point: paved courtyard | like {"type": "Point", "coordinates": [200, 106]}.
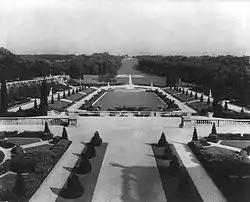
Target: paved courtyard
{"type": "Point", "coordinates": [129, 172]}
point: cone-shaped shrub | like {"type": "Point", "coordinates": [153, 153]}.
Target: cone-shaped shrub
{"type": "Point", "coordinates": [90, 151]}
{"type": "Point", "coordinates": [64, 94]}
{"type": "Point", "coordinates": [162, 142]}
{"type": "Point", "coordinates": [242, 110]}
{"type": "Point", "coordinates": [64, 134]}
{"type": "Point", "coordinates": [214, 131]}
{"type": "Point", "coordinates": [186, 92]}
{"type": "Point", "coordinates": [52, 99]}
{"type": "Point", "coordinates": [35, 104]}
{"type": "Point", "coordinates": [85, 166]}
{"type": "Point", "coordinates": [73, 91]}
{"type": "Point", "coordinates": [195, 136]}
{"type": "Point", "coordinates": [196, 96]}
{"type": "Point", "coordinates": [225, 106]}
{"type": "Point", "coordinates": [96, 139]}
{"type": "Point", "coordinates": [168, 154]}
{"type": "Point", "coordinates": [208, 101]}
{"type": "Point", "coordinates": [46, 127]}
{"type": "Point", "coordinates": [191, 94]}
{"type": "Point", "coordinates": [69, 92]}
{"type": "Point", "coordinates": [201, 98]}
{"type": "Point", "coordinates": [58, 96]}
{"type": "Point", "coordinates": [19, 188]}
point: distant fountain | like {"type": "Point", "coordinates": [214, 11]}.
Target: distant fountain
{"type": "Point", "coordinates": [130, 83]}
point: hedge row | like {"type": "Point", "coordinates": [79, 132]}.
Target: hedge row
{"type": "Point", "coordinates": [228, 136]}
{"type": "Point", "coordinates": [221, 164]}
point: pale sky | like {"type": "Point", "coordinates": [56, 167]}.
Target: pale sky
{"type": "Point", "coordinates": [131, 27]}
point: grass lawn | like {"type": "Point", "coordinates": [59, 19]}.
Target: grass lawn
{"type": "Point", "coordinates": [184, 98]}
{"type": "Point", "coordinates": [45, 147]}
{"type": "Point", "coordinates": [219, 150]}
{"type": "Point", "coordinates": [130, 99]}
{"type": "Point", "coordinates": [75, 97]}
{"type": "Point", "coordinates": [177, 188]}
{"type": "Point", "coordinates": [198, 105]}
{"type": "Point", "coordinates": [241, 144]}
{"type": "Point", "coordinates": [23, 141]}
{"type": "Point", "coordinates": [59, 105]}
{"type": "Point", "coordinates": [85, 183]}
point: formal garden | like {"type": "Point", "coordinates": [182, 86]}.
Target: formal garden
{"type": "Point", "coordinates": [26, 160]}
{"type": "Point", "coordinates": [225, 156]}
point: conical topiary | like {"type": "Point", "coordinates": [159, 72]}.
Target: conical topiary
{"type": "Point", "coordinates": [242, 110]}
{"type": "Point", "coordinates": [35, 104]}
{"type": "Point", "coordinates": [208, 101]}
{"type": "Point", "coordinates": [52, 99]}
{"type": "Point", "coordinates": [68, 92]}
{"type": "Point", "coordinates": [225, 106]}
{"type": "Point", "coordinates": [214, 131]}
{"type": "Point", "coordinates": [58, 96]}
{"type": "Point", "coordinates": [196, 96]}
{"type": "Point", "coordinates": [46, 128]}
{"type": "Point", "coordinates": [191, 94]}
{"type": "Point", "coordinates": [162, 142]}
{"type": "Point", "coordinates": [64, 94]}
{"type": "Point", "coordinates": [96, 139]}
{"type": "Point", "coordinates": [201, 98]}
{"type": "Point", "coordinates": [195, 136]}
{"type": "Point", "coordinates": [90, 151]}
{"type": "Point", "coordinates": [84, 166]}
{"type": "Point", "coordinates": [64, 134]}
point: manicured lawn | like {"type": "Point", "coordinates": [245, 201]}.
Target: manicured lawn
{"type": "Point", "coordinates": [184, 98]}
{"type": "Point", "coordinates": [198, 105]}
{"type": "Point", "coordinates": [241, 144]}
{"type": "Point", "coordinates": [171, 91]}
{"type": "Point", "coordinates": [85, 184]}
{"type": "Point", "coordinates": [75, 97]}
{"type": "Point", "coordinates": [219, 150]}
{"type": "Point", "coordinates": [45, 147]}
{"type": "Point", "coordinates": [177, 188]}
{"type": "Point", "coordinates": [23, 141]}
{"type": "Point", "coordinates": [59, 105]}
{"type": "Point", "coordinates": [130, 99]}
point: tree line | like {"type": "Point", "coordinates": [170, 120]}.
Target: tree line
{"type": "Point", "coordinates": [227, 76]}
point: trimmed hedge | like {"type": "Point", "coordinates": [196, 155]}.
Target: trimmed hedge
{"type": "Point", "coordinates": [220, 164]}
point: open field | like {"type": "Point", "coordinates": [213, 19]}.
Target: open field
{"type": "Point", "coordinates": [130, 99]}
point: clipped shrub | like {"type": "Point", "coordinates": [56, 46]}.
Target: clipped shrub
{"type": "Point", "coordinates": [195, 136]}
{"type": "Point", "coordinates": [96, 140]}
{"type": "Point", "coordinates": [20, 164]}
{"type": "Point", "coordinates": [46, 128]}
{"type": "Point", "coordinates": [204, 142]}
{"type": "Point", "coordinates": [85, 166]}
{"type": "Point", "coordinates": [208, 101]}
{"type": "Point", "coordinates": [52, 99]}
{"type": "Point", "coordinates": [58, 96]}
{"type": "Point", "coordinates": [90, 151]}
{"type": "Point", "coordinates": [214, 131]}
{"type": "Point", "coordinates": [162, 142]}
{"type": "Point", "coordinates": [64, 134]}
{"type": "Point", "coordinates": [5, 144]}
{"type": "Point", "coordinates": [225, 106]}
{"type": "Point", "coordinates": [213, 138]}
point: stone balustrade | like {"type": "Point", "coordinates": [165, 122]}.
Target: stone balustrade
{"type": "Point", "coordinates": [34, 120]}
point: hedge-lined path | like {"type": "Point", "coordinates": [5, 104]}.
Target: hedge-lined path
{"type": "Point", "coordinates": [204, 184]}
{"type": "Point", "coordinates": [58, 175]}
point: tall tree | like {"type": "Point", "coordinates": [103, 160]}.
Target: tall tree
{"type": "Point", "coordinates": [44, 91]}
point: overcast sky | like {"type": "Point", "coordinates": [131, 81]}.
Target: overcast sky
{"type": "Point", "coordinates": [126, 26]}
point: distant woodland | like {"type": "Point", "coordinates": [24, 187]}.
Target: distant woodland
{"type": "Point", "coordinates": [227, 76]}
